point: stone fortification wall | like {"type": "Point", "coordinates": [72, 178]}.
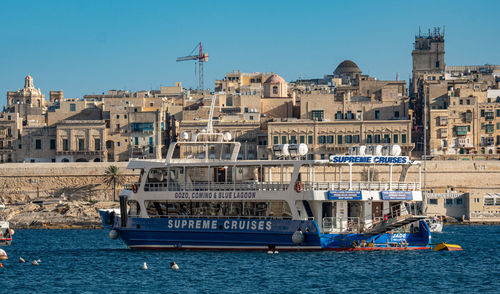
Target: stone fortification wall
{"type": "Point", "coordinates": [26, 182]}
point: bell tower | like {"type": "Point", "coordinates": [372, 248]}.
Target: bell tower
{"type": "Point", "coordinates": [427, 55]}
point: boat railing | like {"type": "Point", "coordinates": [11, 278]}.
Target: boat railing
{"type": "Point", "coordinates": [256, 217]}
{"type": "Point", "coordinates": [363, 185]}
{"type": "Point", "coordinates": [215, 186]}
{"type": "Point", "coordinates": [349, 225]}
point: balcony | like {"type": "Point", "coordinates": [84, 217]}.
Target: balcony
{"type": "Point", "coordinates": [75, 152]}
{"type": "Point", "coordinates": [142, 127]}
{"type": "Point", "coordinates": [462, 130]}
{"type": "Point", "coordinates": [443, 121]}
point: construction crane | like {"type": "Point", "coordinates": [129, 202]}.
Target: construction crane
{"type": "Point", "coordinates": [202, 57]}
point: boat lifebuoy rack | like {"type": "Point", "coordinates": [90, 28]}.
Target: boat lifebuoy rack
{"type": "Point", "coordinates": [134, 188]}
{"type": "Point", "coordinates": [298, 186]}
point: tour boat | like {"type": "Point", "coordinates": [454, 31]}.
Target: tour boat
{"type": "Point", "coordinates": [202, 197]}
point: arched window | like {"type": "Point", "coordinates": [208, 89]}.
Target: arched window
{"type": "Point", "coordinates": [65, 160]}
{"type": "Point", "coordinates": [275, 90]}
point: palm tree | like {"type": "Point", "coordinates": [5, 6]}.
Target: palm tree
{"type": "Point", "coordinates": [113, 176]}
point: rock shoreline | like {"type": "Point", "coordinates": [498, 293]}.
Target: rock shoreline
{"type": "Point", "coordinates": [61, 215]}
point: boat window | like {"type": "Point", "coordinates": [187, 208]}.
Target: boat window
{"type": "Point", "coordinates": [134, 208]}
{"type": "Point", "coordinates": [157, 175]}
{"type": "Point", "coordinates": [246, 209]}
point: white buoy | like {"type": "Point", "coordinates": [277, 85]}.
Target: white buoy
{"type": "Point", "coordinates": [270, 252]}
{"type": "Point", "coordinates": [3, 255]}
{"type": "Point", "coordinates": [276, 252]}
{"type": "Point", "coordinates": [35, 263]}
{"type": "Point", "coordinates": [113, 234]}
{"type": "Point", "coordinates": [144, 266]}
{"type": "Point", "coordinates": [21, 260]}
{"type": "Point", "coordinates": [174, 266]}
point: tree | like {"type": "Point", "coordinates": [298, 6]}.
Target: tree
{"type": "Point", "coordinates": [112, 175]}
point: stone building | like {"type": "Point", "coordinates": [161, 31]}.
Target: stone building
{"type": "Point", "coordinates": [109, 127]}
{"type": "Point", "coordinates": [354, 109]}
{"type": "Point", "coordinates": [458, 103]}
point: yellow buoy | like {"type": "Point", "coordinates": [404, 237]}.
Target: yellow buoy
{"type": "Point", "coordinates": [447, 247]}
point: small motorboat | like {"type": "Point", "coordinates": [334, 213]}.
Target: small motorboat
{"type": "Point", "coordinates": [435, 225]}
{"type": "Point", "coordinates": [5, 231]}
{"type": "Point", "coordinates": [447, 247]}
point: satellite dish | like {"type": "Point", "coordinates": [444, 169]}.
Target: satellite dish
{"type": "Point", "coordinates": [185, 136]}
{"type": "Point", "coordinates": [227, 136]}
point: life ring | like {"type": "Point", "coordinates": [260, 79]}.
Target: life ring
{"type": "Point", "coordinates": [134, 188]}
{"type": "Point", "coordinates": [298, 186]}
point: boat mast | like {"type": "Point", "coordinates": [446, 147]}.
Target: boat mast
{"type": "Point", "coordinates": [424, 200]}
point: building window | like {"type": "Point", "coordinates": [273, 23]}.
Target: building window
{"type": "Point", "coordinates": [72, 107]}
{"type": "Point", "coordinates": [329, 139]}
{"type": "Point", "coordinates": [348, 139]}
{"type": "Point", "coordinates": [136, 141]}
{"type": "Point", "coordinates": [339, 139]}
{"type": "Point", "coordinates": [38, 144]}
{"type": "Point", "coordinates": [396, 114]}
{"type": "Point", "coordinates": [482, 112]}
{"type": "Point", "coordinates": [322, 139]}
{"type": "Point", "coordinates": [65, 145]}
{"type": "Point", "coordinates": [293, 140]}
{"type": "Point", "coordinates": [246, 109]}
{"type": "Point", "coordinates": [377, 138]}
{"type": "Point", "coordinates": [309, 139]}
{"type": "Point", "coordinates": [118, 144]}
{"type": "Point", "coordinates": [81, 144]}
{"type": "Point", "coordinates": [251, 117]}
{"type": "Point", "coordinates": [377, 114]}
{"type": "Point", "coordinates": [322, 156]}
{"type": "Point", "coordinates": [97, 144]}
{"type": "Point", "coordinates": [403, 138]}
{"type": "Point", "coordinates": [468, 101]}
{"type": "Point", "coordinates": [302, 139]}
{"type": "Point", "coordinates": [489, 201]}
{"type": "Point", "coordinates": [432, 201]}
{"type": "Point", "coordinates": [283, 139]}
{"type": "Point", "coordinates": [9, 132]}
{"type": "Point", "coordinates": [317, 115]}
{"type": "Point", "coordinates": [20, 146]}
{"type": "Point", "coordinates": [461, 102]}
{"type": "Point", "coordinates": [355, 139]}
{"type": "Point", "coordinates": [476, 200]}
{"type": "Point", "coordinates": [396, 139]}
{"type": "Point", "coordinates": [458, 201]}
{"type": "Point", "coordinates": [368, 139]}
{"type": "Point", "coordinates": [387, 138]}
{"type": "Point", "coordinates": [338, 115]}
{"type": "Point", "coordinates": [117, 116]}
{"type": "Point", "coordinates": [275, 90]}
{"type": "Point", "coordinates": [349, 115]}
{"type": "Point", "coordinates": [448, 201]}
{"type": "Point", "coordinates": [275, 140]}
{"type": "Point", "coordinates": [52, 144]}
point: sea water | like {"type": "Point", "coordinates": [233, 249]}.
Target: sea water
{"type": "Point", "coordinates": [87, 261]}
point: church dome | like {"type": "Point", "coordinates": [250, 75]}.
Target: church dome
{"type": "Point", "coordinates": [347, 66]}
{"type": "Point", "coordinates": [275, 79]}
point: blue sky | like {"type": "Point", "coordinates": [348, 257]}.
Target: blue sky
{"type": "Point", "coordinates": [85, 47]}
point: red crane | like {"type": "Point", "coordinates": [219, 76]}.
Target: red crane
{"type": "Point", "coordinates": [202, 57]}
